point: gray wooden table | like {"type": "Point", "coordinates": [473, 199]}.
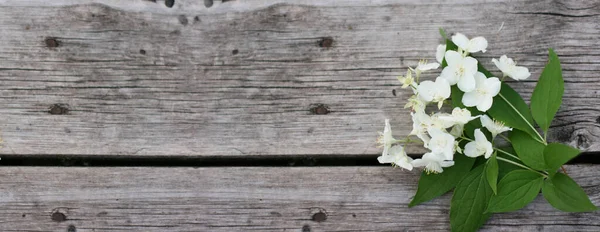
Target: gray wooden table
{"type": "Point", "coordinates": [255, 115]}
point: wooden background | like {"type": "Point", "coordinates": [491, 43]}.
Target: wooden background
{"type": "Point", "coordinates": [256, 79]}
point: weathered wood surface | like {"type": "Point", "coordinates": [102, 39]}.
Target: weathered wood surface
{"type": "Point", "coordinates": [250, 199]}
{"type": "Point", "coordinates": [243, 78]}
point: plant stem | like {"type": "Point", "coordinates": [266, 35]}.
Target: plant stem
{"type": "Point", "coordinates": [542, 140]}
{"type": "Point", "coordinates": [520, 165]}
{"type": "Point", "coordinates": [505, 138]}
{"type": "Point", "coordinates": [507, 153]}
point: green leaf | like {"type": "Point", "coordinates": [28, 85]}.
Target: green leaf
{"type": "Point", "coordinates": [469, 202]}
{"type": "Point", "coordinates": [515, 191]}
{"type": "Point", "coordinates": [443, 33]}
{"type": "Point", "coordinates": [530, 151]}
{"type": "Point", "coordinates": [547, 95]}
{"type": "Point", "coordinates": [491, 172]}
{"type": "Point", "coordinates": [556, 154]}
{"type": "Point", "coordinates": [503, 167]}
{"type": "Point", "coordinates": [566, 195]}
{"type": "Point", "coordinates": [434, 185]}
{"type": "Point", "coordinates": [510, 108]}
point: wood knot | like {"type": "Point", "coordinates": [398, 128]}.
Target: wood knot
{"type": "Point", "coordinates": [208, 3]}
{"type": "Point", "coordinates": [319, 109]}
{"type": "Point", "coordinates": [58, 217]}
{"type": "Point", "coordinates": [326, 42]}
{"type": "Point", "coordinates": [319, 217]}
{"type": "Point", "coordinates": [51, 42]}
{"type": "Point", "coordinates": [59, 109]}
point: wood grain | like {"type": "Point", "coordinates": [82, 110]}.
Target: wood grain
{"type": "Point", "coordinates": [247, 78]}
{"type": "Point", "coordinates": [250, 199]}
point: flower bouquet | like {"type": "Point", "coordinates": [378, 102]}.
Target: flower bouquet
{"type": "Point", "coordinates": [465, 145]}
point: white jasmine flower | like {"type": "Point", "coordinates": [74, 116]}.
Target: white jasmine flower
{"type": "Point", "coordinates": [510, 68]}
{"type": "Point", "coordinates": [421, 122]}
{"type": "Point", "coordinates": [437, 91]}
{"type": "Point", "coordinates": [407, 80]}
{"type": "Point", "coordinates": [441, 143]}
{"type": "Point", "coordinates": [459, 116]}
{"type": "Point", "coordinates": [481, 146]}
{"type": "Point", "coordinates": [416, 104]}
{"type": "Point", "coordinates": [386, 140]}
{"type": "Point", "coordinates": [441, 121]}
{"type": "Point", "coordinates": [493, 126]}
{"type": "Point", "coordinates": [424, 66]}
{"type": "Point", "coordinates": [433, 163]}
{"type": "Point", "coordinates": [460, 70]}
{"type": "Point", "coordinates": [439, 53]}
{"type": "Point", "coordinates": [483, 94]}
{"type": "Point", "coordinates": [397, 156]}
{"type": "Point", "coordinates": [470, 45]}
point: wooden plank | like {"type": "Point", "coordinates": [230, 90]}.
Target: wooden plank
{"type": "Point", "coordinates": [244, 78]}
{"type": "Point", "coordinates": [249, 199]}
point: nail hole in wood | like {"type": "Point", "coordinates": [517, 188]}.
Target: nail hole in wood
{"type": "Point", "coordinates": [142, 51]}
{"type": "Point", "coordinates": [326, 42]}
{"type": "Point", "coordinates": [71, 228]}
{"type": "Point", "coordinates": [319, 109]}
{"type": "Point", "coordinates": [235, 52]}
{"type": "Point", "coordinates": [169, 3]}
{"type": "Point", "coordinates": [58, 109]}
{"type": "Point", "coordinates": [394, 92]}
{"type": "Point", "coordinates": [52, 42]}
{"type": "Point", "coordinates": [208, 3]}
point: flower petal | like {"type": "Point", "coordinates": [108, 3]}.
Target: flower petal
{"type": "Point", "coordinates": [439, 53]}
{"type": "Point", "coordinates": [492, 85]}
{"type": "Point", "coordinates": [426, 90]}
{"type": "Point", "coordinates": [385, 159]}
{"type": "Point", "coordinates": [471, 99]}
{"type": "Point", "coordinates": [479, 136]}
{"type": "Point", "coordinates": [447, 163]}
{"type": "Point", "coordinates": [471, 150]}
{"type": "Point", "coordinates": [486, 122]}
{"type": "Point", "coordinates": [461, 41]}
{"type": "Point", "coordinates": [442, 87]}
{"type": "Point", "coordinates": [485, 104]}
{"type": "Point", "coordinates": [520, 73]}
{"type": "Point", "coordinates": [466, 83]}
{"type": "Point", "coordinates": [419, 163]}
{"type": "Point", "coordinates": [477, 44]}
{"type": "Point", "coordinates": [453, 58]}
{"type": "Point", "coordinates": [449, 75]}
